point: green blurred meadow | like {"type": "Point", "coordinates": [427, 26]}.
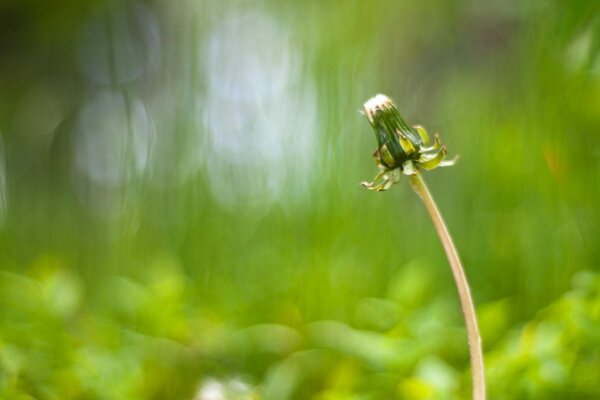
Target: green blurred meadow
{"type": "Point", "coordinates": [180, 213]}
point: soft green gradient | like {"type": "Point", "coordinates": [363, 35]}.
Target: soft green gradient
{"type": "Point", "coordinates": [181, 215]}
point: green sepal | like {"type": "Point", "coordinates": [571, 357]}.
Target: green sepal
{"type": "Point", "coordinates": [408, 147]}
{"type": "Point", "coordinates": [423, 134]}
{"type": "Point", "coordinates": [408, 168]}
{"type": "Point", "coordinates": [429, 162]}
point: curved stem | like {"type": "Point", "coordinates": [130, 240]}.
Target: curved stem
{"type": "Point", "coordinates": [464, 293]}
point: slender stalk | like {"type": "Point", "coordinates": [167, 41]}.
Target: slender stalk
{"type": "Point", "coordinates": [464, 293]}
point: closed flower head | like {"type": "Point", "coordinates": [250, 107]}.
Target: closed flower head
{"type": "Point", "coordinates": [400, 148]}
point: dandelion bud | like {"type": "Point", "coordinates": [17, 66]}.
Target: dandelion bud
{"type": "Point", "coordinates": [400, 148]}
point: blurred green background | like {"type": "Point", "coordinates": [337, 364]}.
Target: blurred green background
{"type": "Point", "coordinates": [180, 214]}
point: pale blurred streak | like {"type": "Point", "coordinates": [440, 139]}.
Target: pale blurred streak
{"type": "Point", "coordinates": [260, 113]}
{"type": "Point", "coordinates": [119, 46]}
{"type": "Point", "coordinates": [243, 112]}
{"type": "Point", "coordinates": [113, 141]}
{"type": "Point", "coordinates": [115, 132]}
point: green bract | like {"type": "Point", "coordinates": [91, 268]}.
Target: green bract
{"type": "Point", "coordinates": [400, 148]}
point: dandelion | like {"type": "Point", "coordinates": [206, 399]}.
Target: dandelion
{"type": "Point", "coordinates": [404, 150]}
{"type": "Point", "coordinates": [400, 149]}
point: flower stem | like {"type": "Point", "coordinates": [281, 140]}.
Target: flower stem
{"type": "Point", "coordinates": [464, 293]}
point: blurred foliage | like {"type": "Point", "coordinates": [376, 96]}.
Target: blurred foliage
{"type": "Point", "coordinates": [152, 340]}
{"type": "Point", "coordinates": [180, 215]}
